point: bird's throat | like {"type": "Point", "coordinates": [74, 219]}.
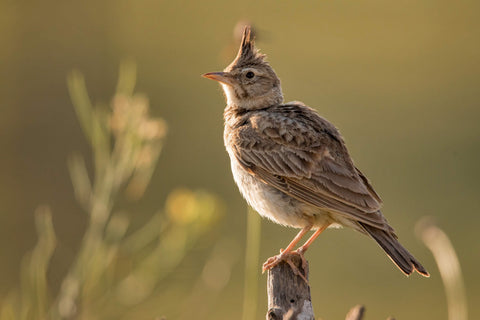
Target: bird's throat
{"type": "Point", "coordinates": [270, 98]}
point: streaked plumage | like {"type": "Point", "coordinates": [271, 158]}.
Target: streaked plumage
{"type": "Point", "coordinates": [292, 165]}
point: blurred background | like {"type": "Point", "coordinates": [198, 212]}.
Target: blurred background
{"type": "Point", "coordinates": [399, 79]}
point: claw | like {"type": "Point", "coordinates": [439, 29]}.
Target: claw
{"type": "Point", "coordinates": [300, 251]}
{"type": "Point", "coordinates": [287, 258]}
{"type": "Point", "coordinates": [272, 262]}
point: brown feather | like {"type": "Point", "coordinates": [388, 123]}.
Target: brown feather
{"type": "Point", "coordinates": [399, 255]}
{"type": "Point", "coordinates": [317, 169]}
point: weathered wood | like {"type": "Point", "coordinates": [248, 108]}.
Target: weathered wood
{"type": "Point", "coordinates": [288, 293]}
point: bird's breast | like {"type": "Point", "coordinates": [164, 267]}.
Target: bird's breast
{"type": "Point", "coordinates": [266, 200]}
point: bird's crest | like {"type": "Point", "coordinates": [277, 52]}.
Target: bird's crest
{"type": "Point", "coordinates": [247, 54]}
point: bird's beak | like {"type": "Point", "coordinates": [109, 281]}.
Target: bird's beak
{"type": "Point", "coordinates": [222, 77]}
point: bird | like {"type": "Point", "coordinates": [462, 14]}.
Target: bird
{"type": "Point", "coordinates": [292, 165]}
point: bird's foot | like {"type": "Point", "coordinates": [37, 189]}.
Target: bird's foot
{"type": "Point", "coordinates": [287, 258]}
{"type": "Point", "coordinates": [300, 251]}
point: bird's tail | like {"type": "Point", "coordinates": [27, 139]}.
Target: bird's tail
{"type": "Point", "coordinates": [399, 255]}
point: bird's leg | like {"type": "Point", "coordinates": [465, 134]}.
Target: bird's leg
{"type": "Point", "coordinates": [273, 261]}
{"type": "Point", "coordinates": [307, 244]}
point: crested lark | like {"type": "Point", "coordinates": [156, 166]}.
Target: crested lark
{"type": "Point", "coordinates": [292, 165]}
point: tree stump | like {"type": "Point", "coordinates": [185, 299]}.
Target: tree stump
{"type": "Point", "coordinates": [288, 293]}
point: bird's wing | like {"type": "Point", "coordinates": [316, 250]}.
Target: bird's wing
{"type": "Point", "coordinates": [298, 152]}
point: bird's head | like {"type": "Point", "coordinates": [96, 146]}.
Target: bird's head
{"type": "Point", "coordinates": [249, 82]}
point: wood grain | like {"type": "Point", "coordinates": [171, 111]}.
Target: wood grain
{"type": "Point", "coordinates": [288, 293]}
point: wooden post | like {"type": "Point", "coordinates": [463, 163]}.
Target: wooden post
{"type": "Point", "coordinates": [288, 293]}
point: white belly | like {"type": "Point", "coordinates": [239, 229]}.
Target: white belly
{"type": "Point", "coordinates": [274, 204]}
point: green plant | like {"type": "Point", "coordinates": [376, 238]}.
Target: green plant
{"type": "Point", "coordinates": [115, 267]}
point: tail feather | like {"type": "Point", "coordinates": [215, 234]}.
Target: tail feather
{"type": "Point", "coordinates": [399, 255]}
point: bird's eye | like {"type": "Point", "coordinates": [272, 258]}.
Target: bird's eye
{"type": "Point", "coordinates": [250, 75]}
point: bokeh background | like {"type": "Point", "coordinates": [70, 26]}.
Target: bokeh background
{"type": "Point", "coordinates": [399, 79]}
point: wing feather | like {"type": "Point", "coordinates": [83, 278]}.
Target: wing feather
{"type": "Point", "coordinates": [303, 155]}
